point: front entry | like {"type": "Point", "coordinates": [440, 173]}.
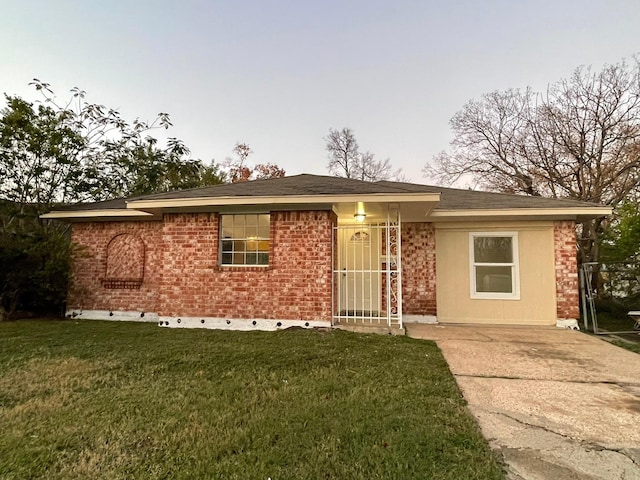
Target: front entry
{"type": "Point", "coordinates": [367, 273]}
{"type": "Point", "coordinates": [360, 263]}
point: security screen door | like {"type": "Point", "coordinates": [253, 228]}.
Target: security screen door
{"type": "Point", "coordinates": [360, 264]}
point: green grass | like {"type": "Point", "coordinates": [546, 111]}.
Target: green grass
{"type": "Point", "coordinates": [634, 347]}
{"type": "Point", "coordinates": [105, 400]}
{"type": "Point", "coordinates": [614, 322]}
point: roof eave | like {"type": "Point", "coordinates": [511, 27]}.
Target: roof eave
{"type": "Point", "coordinates": [149, 205]}
{"type": "Point", "coordinates": [109, 214]}
{"type": "Point", "coordinates": [571, 213]}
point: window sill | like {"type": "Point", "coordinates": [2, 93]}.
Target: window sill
{"type": "Point", "coordinates": [244, 268]}
{"type": "Point", "coordinates": [122, 283]}
{"type": "Point", "coordinates": [494, 296]}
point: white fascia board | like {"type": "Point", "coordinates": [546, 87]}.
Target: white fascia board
{"type": "Point", "coordinates": [113, 212]}
{"type": "Point", "coordinates": [571, 212]}
{"type": "Point", "coordinates": [290, 199]}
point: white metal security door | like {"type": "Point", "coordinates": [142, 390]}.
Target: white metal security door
{"type": "Point", "coordinates": [360, 265]}
{"type": "Point", "coordinates": [368, 275]}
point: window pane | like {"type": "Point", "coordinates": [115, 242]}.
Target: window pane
{"type": "Point", "coordinates": [227, 221]}
{"type": "Point", "coordinates": [263, 220]}
{"type": "Point", "coordinates": [252, 231]}
{"type": "Point", "coordinates": [251, 220]}
{"type": "Point", "coordinates": [238, 258]}
{"type": "Point", "coordinates": [226, 259]}
{"type": "Point", "coordinates": [227, 245]}
{"type": "Point", "coordinates": [238, 220]}
{"type": "Point", "coordinates": [252, 245]}
{"type": "Point", "coordinates": [263, 231]}
{"type": "Point", "coordinates": [252, 258]}
{"type": "Point", "coordinates": [493, 249]}
{"type": "Point", "coordinates": [238, 231]}
{"type": "Point", "coordinates": [263, 259]}
{"type": "Point", "coordinates": [494, 279]}
{"type": "Point", "coordinates": [263, 246]}
{"type": "Point", "coordinates": [239, 245]}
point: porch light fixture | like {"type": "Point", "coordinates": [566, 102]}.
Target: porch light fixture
{"type": "Point", "coordinates": [359, 216]}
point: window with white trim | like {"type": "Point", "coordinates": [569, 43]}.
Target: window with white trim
{"type": "Point", "coordinates": [244, 240]}
{"type": "Point", "coordinates": [494, 265]}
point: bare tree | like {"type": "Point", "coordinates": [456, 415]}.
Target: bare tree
{"type": "Point", "coordinates": [346, 160]}
{"type": "Point", "coordinates": [238, 170]}
{"type": "Point", "coordinates": [580, 139]}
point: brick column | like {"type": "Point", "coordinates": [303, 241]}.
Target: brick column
{"type": "Point", "coordinates": [567, 294]}
{"type": "Point", "coordinates": [418, 269]}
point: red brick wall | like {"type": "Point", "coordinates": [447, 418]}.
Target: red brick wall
{"type": "Point", "coordinates": [418, 269]}
{"type": "Point", "coordinates": [182, 276]}
{"type": "Point", "coordinates": [296, 285]}
{"type": "Point", "coordinates": [89, 269]}
{"type": "Point", "coordinates": [564, 234]}
{"type": "Point", "coordinates": [125, 257]}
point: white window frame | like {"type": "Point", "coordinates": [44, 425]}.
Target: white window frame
{"type": "Point", "coordinates": [515, 270]}
{"type": "Point", "coordinates": [245, 239]}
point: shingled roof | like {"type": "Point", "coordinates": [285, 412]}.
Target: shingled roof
{"type": "Point", "coordinates": [318, 185]}
{"type": "Point", "coordinates": [117, 204]}
{"type": "Point", "coordinates": [461, 199]}
{"type": "Point", "coordinates": [307, 184]}
{"type": "Point", "coordinates": [296, 185]}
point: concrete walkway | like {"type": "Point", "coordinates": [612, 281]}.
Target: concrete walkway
{"type": "Point", "coordinates": [557, 404]}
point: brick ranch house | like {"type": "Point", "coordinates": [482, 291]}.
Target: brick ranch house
{"type": "Point", "coordinates": [312, 251]}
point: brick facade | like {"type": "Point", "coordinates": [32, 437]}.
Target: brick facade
{"type": "Point", "coordinates": [418, 269]}
{"type": "Point", "coordinates": [93, 267]}
{"type": "Point", "coordinates": [182, 275]}
{"type": "Point", "coordinates": [125, 259]}
{"type": "Point", "coordinates": [177, 260]}
{"type": "Point", "coordinates": [567, 294]}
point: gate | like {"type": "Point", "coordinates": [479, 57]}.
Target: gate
{"type": "Point", "coordinates": [367, 275]}
{"type": "Point", "coordinates": [619, 287]}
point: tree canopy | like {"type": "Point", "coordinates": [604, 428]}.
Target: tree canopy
{"type": "Point", "coordinates": [81, 151]}
{"type": "Point", "coordinates": [238, 169]}
{"type": "Point", "coordinates": [621, 241]}
{"type": "Point", "coordinates": [579, 139]}
{"type": "Point", "coordinates": [346, 159]}
{"type": "Point", "coordinates": [54, 153]}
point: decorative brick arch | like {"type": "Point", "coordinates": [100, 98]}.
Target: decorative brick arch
{"type": "Point", "coordinates": [125, 262]}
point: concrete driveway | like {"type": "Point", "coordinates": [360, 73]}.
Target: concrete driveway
{"type": "Point", "coordinates": [557, 404]}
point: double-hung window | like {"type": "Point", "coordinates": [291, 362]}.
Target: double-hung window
{"type": "Point", "coordinates": [244, 240]}
{"type": "Point", "coordinates": [494, 265]}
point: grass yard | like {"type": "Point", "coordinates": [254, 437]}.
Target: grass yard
{"type": "Point", "coordinates": [105, 400]}
{"type": "Point", "coordinates": [634, 347]}
{"type": "Point", "coordinates": [613, 323]}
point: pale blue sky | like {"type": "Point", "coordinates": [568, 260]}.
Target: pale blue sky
{"type": "Point", "coordinates": [278, 74]}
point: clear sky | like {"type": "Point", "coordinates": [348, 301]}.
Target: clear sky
{"type": "Point", "coordinates": [278, 74]}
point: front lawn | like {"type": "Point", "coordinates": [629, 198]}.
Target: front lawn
{"type": "Point", "coordinates": [612, 322]}
{"type": "Point", "coordinates": [123, 400]}
{"type": "Point", "coordinates": [634, 347]}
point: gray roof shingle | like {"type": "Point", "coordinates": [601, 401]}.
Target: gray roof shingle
{"type": "Point", "coordinates": [307, 184]}
{"type": "Point", "coordinates": [117, 204]}
{"type": "Point", "coordinates": [460, 199]}
{"type": "Point", "coordinates": [304, 184]}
